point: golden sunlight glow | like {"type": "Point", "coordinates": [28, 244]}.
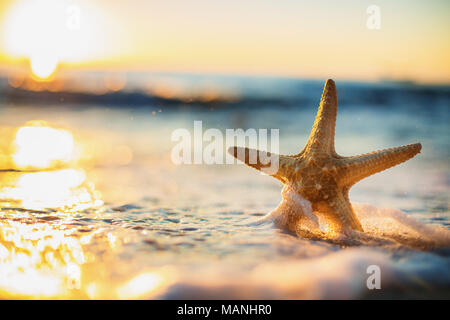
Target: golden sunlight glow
{"type": "Point", "coordinates": [42, 146]}
{"type": "Point", "coordinates": [47, 32]}
{"type": "Point", "coordinates": [139, 286]}
{"type": "Point", "coordinates": [43, 66]}
{"type": "Point", "coordinates": [38, 260]}
{"type": "Point", "coordinates": [148, 285]}
{"type": "Point", "coordinates": [158, 36]}
{"type": "Point", "coordinates": [39, 146]}
{"type": "Point", "coordinates": [62, 189]}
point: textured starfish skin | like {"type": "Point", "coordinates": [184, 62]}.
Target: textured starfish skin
{"type": "Point", "coordinates": [321, 176]}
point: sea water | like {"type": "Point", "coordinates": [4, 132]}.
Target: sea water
{"type": "Point", "coordinates": [125, 222]}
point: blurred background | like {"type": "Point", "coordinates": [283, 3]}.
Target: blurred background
{"type": "Point", "coordinates": [91, 90]}
{"type": "Point", "coordinates": [300, 39]}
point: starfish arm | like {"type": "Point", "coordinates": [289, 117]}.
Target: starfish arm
{"type": "Point", "coordinates": [278, 166]}
{"type": "Point", "coordinates": [353, 169]}
{"type": "Point", "coordinates": [321, 139]}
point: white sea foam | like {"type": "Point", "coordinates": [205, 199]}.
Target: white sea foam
{"type": "Point", "coordinates": [382, 226]}
{"type": "Point", "coordinates": [396, 225]}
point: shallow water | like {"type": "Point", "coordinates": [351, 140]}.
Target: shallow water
{"type": "Point", "coordinates": [127, 223]}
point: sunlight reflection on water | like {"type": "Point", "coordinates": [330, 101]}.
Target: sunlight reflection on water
{"type": "Point", "coordinates": [39, 146]}
{"type": "Point", "coordinates": [52, 189]}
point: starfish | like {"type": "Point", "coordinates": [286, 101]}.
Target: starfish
{"type": "Point", "coordinates": [317, 180]}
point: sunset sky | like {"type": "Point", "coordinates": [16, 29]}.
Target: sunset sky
{"type": "Point", "coordinates": [315, 39]}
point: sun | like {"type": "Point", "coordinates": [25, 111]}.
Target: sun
{"type": "Point", "coordinates": [32, 29]}
{"type": "Point", "coordinates": [43, 65]}
{"type": "Point", "coordinates": [50, 32]}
